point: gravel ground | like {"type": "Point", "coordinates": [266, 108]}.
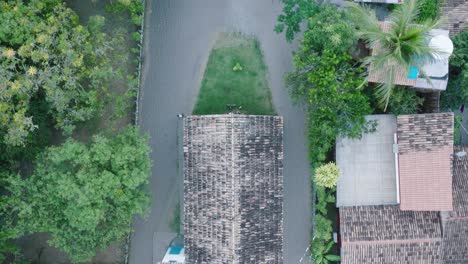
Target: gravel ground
{"type": "Point", "coordinates": [179, 36]}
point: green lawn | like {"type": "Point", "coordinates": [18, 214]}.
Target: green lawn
{"type": "Point", "coordinates": [222, 85]}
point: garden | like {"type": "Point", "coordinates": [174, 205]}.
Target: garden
{"type": "Point", "coordinates": [329, 80]}
{"type": "Point", "coordinates": [235, 78]}
{"type": "Point", "coordinates": [73, 167]}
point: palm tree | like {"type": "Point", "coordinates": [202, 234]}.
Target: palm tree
{"type": "Point", "coordinates": [403, 45]}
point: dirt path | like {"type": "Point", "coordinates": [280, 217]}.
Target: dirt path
{"type": "Point", "coordinates": [179, 35]}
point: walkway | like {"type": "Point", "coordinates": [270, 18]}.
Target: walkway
{"type": "Point", "coordinates": [179, 34]}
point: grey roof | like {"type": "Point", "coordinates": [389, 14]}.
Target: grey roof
{"type": "Point", "coordinates": [233, 189]}
{"type": "Point", "coordinates": [368, 174]}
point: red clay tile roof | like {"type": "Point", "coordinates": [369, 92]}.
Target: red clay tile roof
{"type": "Point", "coordinates": [425, 144]}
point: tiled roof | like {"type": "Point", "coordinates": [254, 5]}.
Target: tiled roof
{"type": "Point", "coordinates": [399, 253]}
{"type": "Point", "coordinates": [460, 184]}
{"type": "Point", "coordinates": [455, 240]}
{"type": "Point", "coordinates": [385, 234]}
{"type": "Point", "coordinates": [455, 15]}
{"type": "Point", "coordinates": [233, 189]}
{"type": "Point", "coordinates": [387, 222]}
{"type": "Point", "coordinates": [425, 144]}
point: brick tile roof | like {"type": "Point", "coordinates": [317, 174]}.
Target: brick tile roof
{"type": "Point", "coordinates": [455, 241]}
{"type": "Point", "coordinates": [455, 229]}
{"type": "Point", "coordinates": [387, 222]}
{"type": "Point", "coordinates": [460, 184]}
{"type": "Point", "coordinates": [406, 253]}
{"type": "Point", "coordinates": [425, 145]}
{"type": "Point", "coordinates": [455, 16]}
{"type": "Point", "coordinates": [233, 189]}
{"type": "Point", "coordinates": [386, 234]}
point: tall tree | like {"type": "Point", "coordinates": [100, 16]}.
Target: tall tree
{"type": "Point", "coordinates": [43, 49]}
{"type": "Point", "coordinates": [85, 196]}
{"type": "Point", "coordinates": [402, 46]}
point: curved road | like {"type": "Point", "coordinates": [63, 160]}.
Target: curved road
{"type": "Point", "coordinates": [179, 35]}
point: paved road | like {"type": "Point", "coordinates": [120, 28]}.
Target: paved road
{"type": "Point", "coordinates": [179, 35]}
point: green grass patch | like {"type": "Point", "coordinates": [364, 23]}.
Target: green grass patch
{"type": "Point", "coordinates": [174, 224]}
{"type": "Point", "coordinates": [235, 79]}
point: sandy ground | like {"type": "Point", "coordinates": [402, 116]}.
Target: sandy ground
{"type": "Point", "coordinates": [179, 35]}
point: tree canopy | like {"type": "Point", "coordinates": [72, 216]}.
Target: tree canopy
{"type": "Point", "coordinates": [84, 195]}
{"type": "Point", "coordinates": [44, 50]}
{"type": "Point", "coordinates": [457, 89]}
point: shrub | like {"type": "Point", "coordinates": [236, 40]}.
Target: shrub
{"type": "Point", "coordinates": [429, 10]}
{"type": "Point", "coordinates": [84, 196]}
{"type": "Point", "coordinates": [327, 175]}
{"type": "Point", "coordinates": [457, 88]}
{"type": "Point", "coordinates": [323, 228]}
{"type": "Point", "coordinates": [404, 101]}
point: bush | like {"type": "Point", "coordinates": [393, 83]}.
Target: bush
{"type": "Point", "coordinates": [330, 28]}
{"type": "Point", "coordinates": [457, 88]}
{"type": "Point", "coordinates": [429, 10]}
{"type": "Point", "coordinates": [327, 175]}
{"type": "Point", "coordinates": [84, 196]}
{"type": "Point", "coordinates": [323, 228]}
{"type": "Point", "coordinates": [404, 101]}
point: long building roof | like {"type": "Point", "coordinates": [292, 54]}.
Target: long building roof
{"type": "Point", "coordinates": [233, 189]}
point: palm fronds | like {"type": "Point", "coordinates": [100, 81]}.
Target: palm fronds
{"type": "Point", "coordinates": [403, 44]}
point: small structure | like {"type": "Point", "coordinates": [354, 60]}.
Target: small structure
{"type": "Point", "coordinates": [436, 72]}
{"type": "Point", "coordinates": [174, 255]}
{"type": "Point", "coordinates": [233, 189]}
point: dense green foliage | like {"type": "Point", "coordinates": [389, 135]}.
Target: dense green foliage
{"type": "Point", "coordinates": [55, 56]}
{"type": "Point", "coordinates": [404, 101]}
{"type": "Point", "coordinates": [332, 30]}
{"type": "Point", "coordinates": [325, 79]}
{"type": "Point", "coordinates": [294, 12]}
{"type": "Point", "coordinates": [429, 10]}
{"type": "Point", "coordinates": [327, 83]}
{"type": "Point", "coordinates": [85, 196]}
{"type": "Point", "coordinates": [327, 175]}
{"type": "Point", "coordinates": [322, 241]}
{"type": "Point", "coordinates": [457, 89]}
{"type": "Point", "coordinates": [403, 46]}
{"type": "Point", "coordinates": [235, 75]}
